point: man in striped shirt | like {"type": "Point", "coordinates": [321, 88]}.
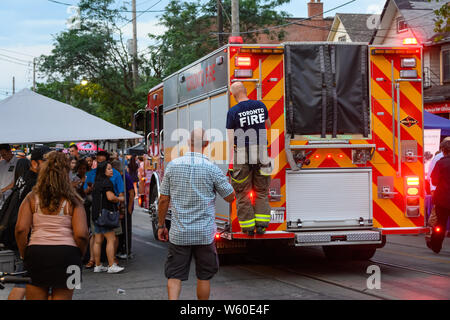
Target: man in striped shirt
{"type": "Point", "coordinates": [190, 184]}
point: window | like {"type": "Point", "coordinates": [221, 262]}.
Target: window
{"type": "Point", "coordinates": [342, 39]}
{"type": "Point", "coordinates": [446, 66]}
{"type": "Point", "coordinates": [401, 25]}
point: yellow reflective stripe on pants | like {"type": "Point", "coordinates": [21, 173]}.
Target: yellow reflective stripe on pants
{"type": "Point", "coordinates": [239, 181]}
{"type": "Point", "coordinates": [263, 217]}
{"type": "Point", "coordinates": [247, 224]}
{"type": "Point", "coordinates": [264, 174]}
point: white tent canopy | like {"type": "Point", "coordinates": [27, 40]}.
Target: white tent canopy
{"type": "Point", "coordinates": [28, 117]}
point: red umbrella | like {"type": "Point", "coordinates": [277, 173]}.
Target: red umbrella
{"type": "Point", "coordinates": [88, 147]}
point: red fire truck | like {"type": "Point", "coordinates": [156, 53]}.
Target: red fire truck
{"type": "Point", "coordinates": [346, 139]}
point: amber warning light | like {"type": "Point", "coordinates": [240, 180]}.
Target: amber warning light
{"type": "Point", "coordinates": [243, 62]}
{"type": "Point", "coordinates": [407, 41]}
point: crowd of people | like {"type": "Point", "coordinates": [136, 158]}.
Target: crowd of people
{"type": "Point", "coordinates": [50, 203]}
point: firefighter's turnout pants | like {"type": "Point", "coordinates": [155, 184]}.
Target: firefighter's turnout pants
{"type": "Point", "coordinates": [251, 173]}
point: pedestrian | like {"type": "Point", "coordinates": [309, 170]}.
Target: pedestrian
{"type": "Point", "coordinates": [440, 177]}
{"type": "Point", "coordinates": [251, 168]}
{"type": "Point", "coordinates": [190, 184]}
{"type": "Point", "coordinates": [54, 214]}
{"type": "Point", "coordinates": [73, 172]}
{"type": "Point", "coordinates": [133, 168]}
{"type": "Point", "coordinates": [23, 187]}
{"type": "Point", "coordinates": [90, 160]}
{"type": "Point", "coordinates": [438, 156]}
{"type": "Point", "coordinates": [129, 205]}
{"type": "Point", "coordinates": [103, 197]}
{"type": "Point", "coordinates": [73, 151]}
{"type": "Point", "coordinates": [116, 179]}
{"type": "Point", "coordinates": [7, 171]}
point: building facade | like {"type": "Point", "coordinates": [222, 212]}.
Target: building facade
{"type": "Point", "coordinates": [403, 19]}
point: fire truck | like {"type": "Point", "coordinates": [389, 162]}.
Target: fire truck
{"type": "Point", "coordinates": [346, 140]}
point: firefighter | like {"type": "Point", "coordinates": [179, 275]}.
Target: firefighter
{"type": "Point", "coordinates": [250, 167]}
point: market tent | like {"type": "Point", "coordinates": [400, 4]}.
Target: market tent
{"type": "Point", "coordinates": [435, 122]}
{"type": "Point", "coordinates": [28, 117]}
{"type": "Point", "coordinates": [137, 150]}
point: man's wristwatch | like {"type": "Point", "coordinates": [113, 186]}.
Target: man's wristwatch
{"type": "Point", "coordinates": [161, 227]}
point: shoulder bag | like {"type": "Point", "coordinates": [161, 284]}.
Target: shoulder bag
{"type": "Point", "coordinates": [108, 218]}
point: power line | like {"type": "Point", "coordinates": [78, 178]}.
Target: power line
{"type": "Point", "coordinates": [289, 23]}
{"type": "Point", "coordinates": [12, 61]}
{"type": "Point", "coordinates": [142, 12]}
{"type": "Point", "coordinates": [11, 57]}
{"type": "Point", "coordinates": [16, 52]}
{"type": "Point", "coordinates": [112, 10]}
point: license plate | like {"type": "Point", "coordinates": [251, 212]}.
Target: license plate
{"type": "Point", "coordinates": [276, 216]}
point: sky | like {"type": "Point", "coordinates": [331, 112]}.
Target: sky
{"type": "Point", "coordinates": [28, 29]}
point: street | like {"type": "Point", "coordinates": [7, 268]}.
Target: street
{"type": "Point", "coordinates": [409, 270]}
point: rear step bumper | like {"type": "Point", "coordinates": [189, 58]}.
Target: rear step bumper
{"type": "Point", "coordinates": [330, 238]}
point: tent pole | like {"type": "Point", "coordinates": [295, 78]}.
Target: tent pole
{"type": "Point", "coordinates": [126, 196]}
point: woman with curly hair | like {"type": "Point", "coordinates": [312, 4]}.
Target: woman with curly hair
{"type": "Point", "coordinates": [59, 234]}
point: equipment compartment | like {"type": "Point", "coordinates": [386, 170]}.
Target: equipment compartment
{"type": "Point", "coordinates": [326, 89]}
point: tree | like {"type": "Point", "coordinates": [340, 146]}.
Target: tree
{"type": "Point", "coordinates": [442, 23]}
{"type": "Point", "coordinates": [191, 31]}
{"type": "Point", "coordinates": [95, 52]}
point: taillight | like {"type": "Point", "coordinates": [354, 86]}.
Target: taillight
{"type": "Point", "coordinates": [243, 62]}
{"type": "Point", "coordinates": [412, 181]}
{"type": "Point", "coordinates": [412, 195]}
{"type": "Point", "coordinates": [413, 191]}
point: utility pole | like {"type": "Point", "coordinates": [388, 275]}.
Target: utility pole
{"type": "Point", "coordinates": [135, 62]}
{"type": "Point", "coordinates": [220, 21]}
{"type": "Point", "coordinates": [14, 85]}
{"type": "Point", "coordinates": [235, 18]}
{"type": "Point", "coordinates": [34, 74]}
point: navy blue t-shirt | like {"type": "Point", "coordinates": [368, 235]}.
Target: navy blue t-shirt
{"type": "Point", "coordinates": [248, 120]}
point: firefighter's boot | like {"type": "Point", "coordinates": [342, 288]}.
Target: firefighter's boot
{"type": "Point", "coordinates": [260, 230]}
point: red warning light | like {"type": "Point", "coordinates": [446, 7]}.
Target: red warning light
{"type": "Point", "coordinates": [217, 236]}
{"type": "Point", "coordinates": [317, 156]}
{"type": "Point", "coordinates": [437, 229]}
{"type": "Point", "coordinates": [329, 156]}
{"type": "Point", "coordinates": [341, 156]}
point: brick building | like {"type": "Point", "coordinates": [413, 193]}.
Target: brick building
{"type": "Point", "coordinates": [313, 28]}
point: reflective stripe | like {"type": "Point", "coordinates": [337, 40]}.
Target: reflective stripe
{"type": "Point", "coordinates": [248, 223]}
{"type": "Point", "coordinates": [239, 181]}
{"type": "Point", "coordinates": [264, 174]}
{"type": "Point", "coordinates": [263, 217]}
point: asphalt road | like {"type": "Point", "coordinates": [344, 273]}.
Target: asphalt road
{"type": "Point", "coordinates": [408, 270]}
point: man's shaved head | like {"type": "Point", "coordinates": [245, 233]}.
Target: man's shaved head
{"type": "Point", "coordinates": [197, 139]}
{"type": "Point", "coordinates": [238, 90]}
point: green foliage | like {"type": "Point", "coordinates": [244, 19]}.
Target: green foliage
{"type": "Point", "coordinates": [442, 23]}
{"type": "Point", "coordinates": [255, 15]}
{"type": "Point", "coordinates": [192, 30]}
{"type": "Point", "coordinates": [95, 52]}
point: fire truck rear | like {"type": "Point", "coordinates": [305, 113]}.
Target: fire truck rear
{"type": "Point", "coordinates": [346, 139]}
